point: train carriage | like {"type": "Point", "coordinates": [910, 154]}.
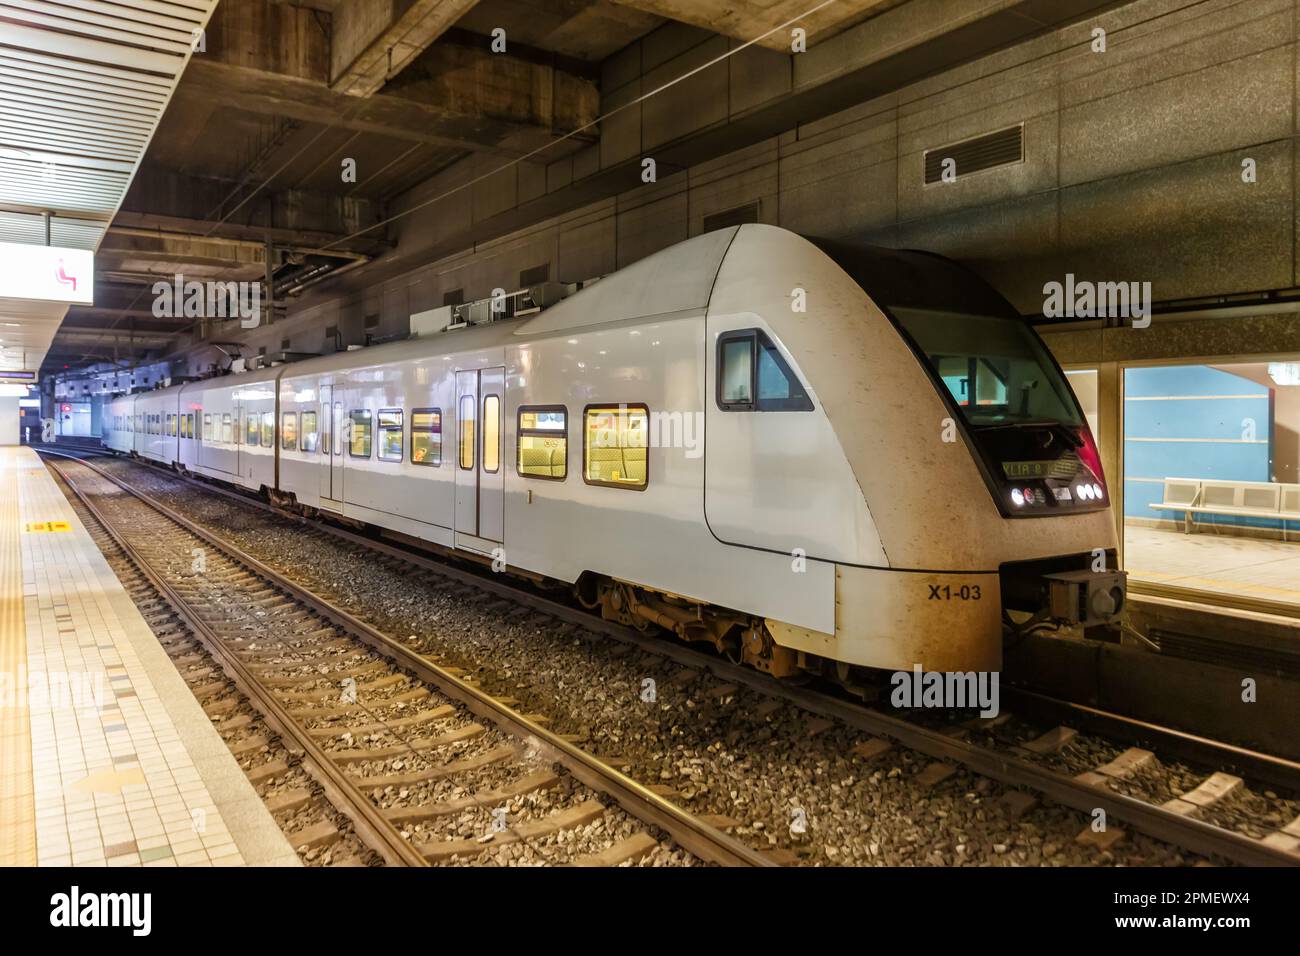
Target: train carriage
{"type": "Point", "coordinates": [854, 401]}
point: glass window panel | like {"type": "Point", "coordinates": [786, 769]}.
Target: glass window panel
{"type": "Point", "coordinates": [615, 446]}
{"type": "Point", "coordinates": [289, 431]}
{"type": "Point", "coordinates": [390, 434]}
{"type": "Point", "coordinates": [492, 434]}
{"type": "Point", "coordinates": [359, 446]}
{"type": "Point", "coordinates": [737, 371]}
{"type": "Point", "coordinates": [426, 436]}
{"type": "Point", "coordinates": [309, 432]}
{"type": "Point", "coordinates": [543, 443]}
{"type": "Point", "coordinates": [468, 428]}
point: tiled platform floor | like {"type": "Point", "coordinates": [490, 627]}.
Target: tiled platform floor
{"type": "Point", "coordinates": [121, 766]}
{"type": "Point", "coordinates": [1252, 567]}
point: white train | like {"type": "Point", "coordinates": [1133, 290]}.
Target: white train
{"type": "Point", "coordinates": [815, 456]}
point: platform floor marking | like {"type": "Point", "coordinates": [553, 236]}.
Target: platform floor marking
{"type": "Point", "coordinates": [17, 789]}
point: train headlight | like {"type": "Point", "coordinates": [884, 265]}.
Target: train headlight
{"type": "Point", "coordinates": [1096, 491]}
{"type": "Point", "coordinates": [1017, 497]}
{"type": "Point", "coordinates": [1084, 492]}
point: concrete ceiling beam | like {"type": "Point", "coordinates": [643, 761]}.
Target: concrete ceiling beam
{"type": "Point", "coordinates": [273, 60]}
{"type": "Point", "coordinates": [374, 40]}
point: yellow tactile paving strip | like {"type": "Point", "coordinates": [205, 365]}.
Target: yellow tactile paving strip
{"type": "Point", "coordinates": [17, 793]}
{"type": "Point", "coordinates": [123, 767]}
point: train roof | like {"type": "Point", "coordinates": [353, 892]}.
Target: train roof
{"type": "Point", "coordinates": [674, 280]}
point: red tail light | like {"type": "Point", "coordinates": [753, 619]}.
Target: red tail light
{"type": "Point", "coordinates": [1089, 455]}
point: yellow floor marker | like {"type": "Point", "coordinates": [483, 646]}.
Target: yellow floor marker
{"type": "Point", "coordinates": [17, 792]}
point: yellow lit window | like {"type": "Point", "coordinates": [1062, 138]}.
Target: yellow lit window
{"type": "Point", "coordinates": [252, 429]}
{"type": "Point", "coordinates": [289, 431]}
{"type": "Point", "coordinates": [268, 429]}
{"type": "Point", "coordinates": [467, 427]}
{"type": "Point", "coordinates": [390, 434]}
{"type": "Point", "coordinates": [492, 434]}
{"type": "Point", "coordinates": [615, 445]}
{"type": "Point", "coordinates": [426, 436]}
{"type": "Point", "coordinates": [359, 446]}
{"type": "Point", "coordinates": [309, 432]}
{"type": "Point", "coordinates": [543, 443]}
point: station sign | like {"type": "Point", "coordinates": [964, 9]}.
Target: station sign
{"type": "Point", "coordinates": [14, 376]}
{"type": "Point", "coordinates": [47, 273]}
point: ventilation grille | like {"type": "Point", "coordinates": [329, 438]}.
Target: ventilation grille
{"type": "Point", "coordinates": [737, 216]}
{"type": "Point", "coordinates": [1002, 148]}
{"type": "Point", "coordinates": [535, 276]}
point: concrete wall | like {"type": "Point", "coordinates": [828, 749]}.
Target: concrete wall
{"type": "Point", "coordinates": [1133, 171]}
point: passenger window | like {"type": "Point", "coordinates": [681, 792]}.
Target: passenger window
{"type": "Point", "coordinates": [390, 434]}
{"type": "Point", "coordinates": [252, 429]}
{"type": "Point", "coordinates": [207, 427]}
{"type": "Point", "coordinates": [227, 429]}
{"type": "Point", "coordinates": [492, 434]}
{"type": "Point", "coordinates": [543, 442]}
{"type": "Point", "coordinates": [737, 371]}
{"type": "Point", "coordinates": [268, 429]}
{"type": "Point", "coordinates": [426, 436]}
{"type": "Point", "coordinates": [467, 427]}
{"type": "Point", "coordinates": [360, 444]}
{"type": "Point", "coordinates": [309, 432]}
{"type": "Point", "coordinates": [289, 431]}
{"type": "Point", "coordinates": [615, 446]}
{"type": "Point", "coordinates": [752, 376]}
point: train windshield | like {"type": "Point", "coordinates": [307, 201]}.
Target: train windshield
{"type": "Point", "coordinates": [995, 368]}
{"type": "Point", "coordinates": [988, 358]}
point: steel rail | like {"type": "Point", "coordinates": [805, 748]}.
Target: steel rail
{"type": "Point", "coordinates": [1194, 835]}
{"type": "Point", "coordinates": [373, 828]}
{"type": "Point", "coordinates": [705, 841]}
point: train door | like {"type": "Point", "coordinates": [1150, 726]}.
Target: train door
{"type": "Point", "coordinates": [237, 415]}
{"type": "Point", "coordinates": [480, 478]}
{"type": "Point", "coordinates": [327, 442]}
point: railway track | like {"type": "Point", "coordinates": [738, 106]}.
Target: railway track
{"type": "Point", "coordinates": [408, 751]}
{"type": "Point", "coordinates": [1104, 787]}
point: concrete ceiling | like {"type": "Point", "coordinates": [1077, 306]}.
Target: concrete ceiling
{"type": "Point", "coordinates": [82, 89]}
{"type": "Point", "coordinates": [247, 166]}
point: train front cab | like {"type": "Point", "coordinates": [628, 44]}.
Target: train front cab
{"type": "Point", "coordinates": [986, 503]}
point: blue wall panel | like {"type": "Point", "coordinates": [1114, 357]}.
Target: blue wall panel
{"type": "Point", "coordinates": [1173, 412]}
